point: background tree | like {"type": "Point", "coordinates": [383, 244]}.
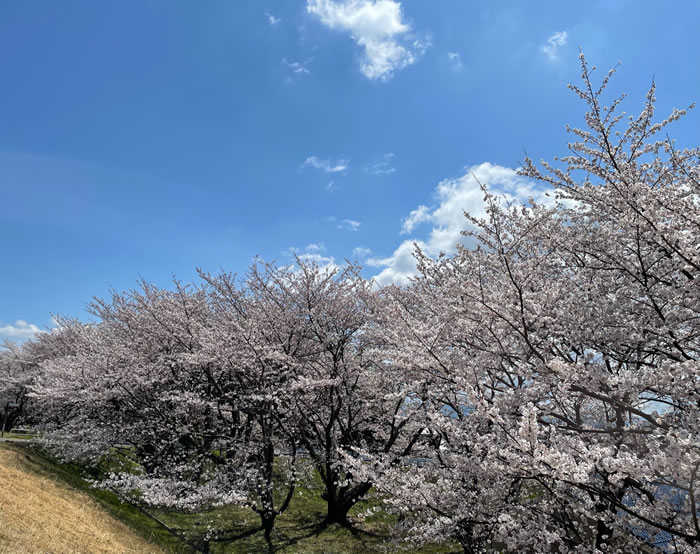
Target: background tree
{"type": "Point", "coordinates": [16, 373]}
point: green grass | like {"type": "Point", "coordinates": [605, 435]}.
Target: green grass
{"type": "Point", "coordinates": [296, 531]}
{"type": "Point", "coordinates": [25, 436]}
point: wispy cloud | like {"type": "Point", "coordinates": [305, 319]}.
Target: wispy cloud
{"type": "Point", "coordinates": [551, 49]}
{"type": "Point", "coordinates": [361, 252]}
{"type": "Point", "coordinates": [298, 68]}
{"type": "Point", "coordinates": [272, 20]}
{"type": "Point", "coordinates": [315, 247]}
{"type": "Point", "coordinates": [377, 26]}
{"type": "Point", "coordinates": [382, 166]}
{"type": "Point", "coordinates": [344, 224]}
{"type": "Point", "coordinates": [349, 224]}
{"type": "Point", "coordinates": [313, 253]}
{"type": "Point", "coordinates": [328, 166]}
{"type": "Point", "coordinates": [20, 330]}
{"type": "Point", "coordinates": [455, 59]}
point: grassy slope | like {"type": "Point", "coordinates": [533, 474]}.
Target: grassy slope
{"type": "Point", "coordinates": [42, 513]}
{"type": "Point", "coordinates": [24, 436]}
{"type": "Point", "coordinates": [296, 530]}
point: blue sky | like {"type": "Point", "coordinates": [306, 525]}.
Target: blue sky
{"type": "Point", "coordinates": [148, 138]}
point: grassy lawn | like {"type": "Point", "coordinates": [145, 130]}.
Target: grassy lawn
{"type": "Point", "coordinates": [297, 530]}
{"type": "Point", "coordinates": [24, 436]}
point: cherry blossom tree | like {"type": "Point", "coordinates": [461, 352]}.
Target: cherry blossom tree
{"type": "Point", "coordinates": [560, 355]}
{"type": "Point", "coordinates": [192, 407]}
{"type": "Point", "coordinates": [16, 373]}
{"type": "Point", "coordinates": [321, 321]}
{"type": "Point", "coordinates": [19, 368]}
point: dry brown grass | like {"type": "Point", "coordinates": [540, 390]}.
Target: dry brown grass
{"type": "Point", "coordinates": [38, 514]}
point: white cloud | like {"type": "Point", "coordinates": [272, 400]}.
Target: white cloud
{"type": "Point", "coordinates": [272, 20]}
{"type": "Point", "coordinates": [20, 330]}
{"type": "Point", "coordinates": [455, 59]}
{"type": "Point", "coordinates": [454, 197]}
{"type": "Point", "coordinates": [381, 167]}
{"type": "Point", "coordinates": [555, 40]}
{"type": "Point", "coordinates": [400, 266]}
{"type": "Point", "coordinates": [417, 216]}
{"type": "Point", "coordinates": [326, 165]}
{"type": "Point", "coordinates": [378, 27]}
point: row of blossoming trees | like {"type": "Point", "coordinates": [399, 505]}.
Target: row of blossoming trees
{"type": "Point", "coordinates": [537, 391]}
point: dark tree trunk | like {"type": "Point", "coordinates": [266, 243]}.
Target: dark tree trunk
{"type": "Point", "coordinates": [341, 499]}
{"type": "Point", "coordinates": [337, 512]}
{"type": "Point", "coordinates": [10, 417]}
{"type": "Point", "coordinates": [268, 523]}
